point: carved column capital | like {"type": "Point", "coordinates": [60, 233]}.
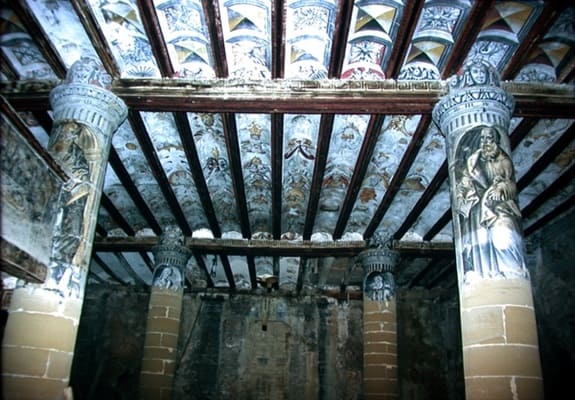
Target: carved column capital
{"type": "Point", "coordinates": [85, 97]}
{"type": "Point", "coordinates": [171, 257]}
{"type": "Point", "coordinates": [475, 98]}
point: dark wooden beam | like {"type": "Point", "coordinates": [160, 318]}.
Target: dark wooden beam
{"type": "Point", "coordinates": [551, 215]}
{"type": "Point", "coordinates": [128, 268]}
{"type": "Point", "coordinates": [467, 37]}
{"type": "Point", "coordinates": [365, 153]}
{"type": "Point", "coordinates": [7, 68]}
{"type": "Point", "coordinates": [323, 141]}
{"type": "Point", "coordinates": [438, 226]}
{"type": "Point", "coordinates": [212, 13]}
{"type": "Point", "coordinates": [228, 271]}
{"type": "Point", "coordinates": [241, 247]}
{"type": "Point", "coordinates": [140, 131]}
{"type": "Point", "coordinates": [156, 38]}
{"type": "Point", "coordinates": [252, 271]}
{"type": "Point", "coordinates": [234, 155]}
{"type": "Point", "coordinates": [551, 10]}
{"type": "Point", "coordinates": [126, 180]}
{"type": "Point", "coordinates": [399, 175]}
{"type": "Point", "coordinates": [96, 36]}
{"type": "Point", "coordinates": [423, 201]}
{"type": "Point", "coordinates": [100, 230]}
{"type": "Point", "coordinates": [411, 13]}
{"type": "Point", "coordinates": [202, 264]}
{"type": "Point", "coordinates": [538, 100]}
{"type": "Point", "coordinates": [187, 139]}
{"type": "Point", "coordinates": [339, 42]}
{"type": "Point", "coordinates": [278, 39]}
{"type": "Point", "coordinates": [116, 216]}
{"type": "Point", "coordinates": [96, 258]}
{"type": "Point", "coordinates": [277, 128]}
{"type": "Point", "coordinates": [546, 158]}
{"type": "Point", "coordinates": [554, 188]}
{"type": "Point", "coordinates": [20, 264]}
{"type": "Point", "coordinates": [37, 34]}
{"type": "Point", "coordinates": [12, 116]}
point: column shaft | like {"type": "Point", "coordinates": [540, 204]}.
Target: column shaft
{"type": "Point", "coordinates": [379, 325]}
{"type": "Point", "coordinates": [499, 332]}
{"type": "Point", "coordinates": [160, 353]}
{"type": "Point", "coordinates": [40, 334]}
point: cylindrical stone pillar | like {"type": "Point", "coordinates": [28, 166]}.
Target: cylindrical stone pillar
{"type": "Point", "coordinates": [163, 324]}
{"type": "Point", "coordinates": [40, 335]}
{"type": "Point", "coordinates": [499, 334]}
{"type": "Point", "coordinates": [379, 323]}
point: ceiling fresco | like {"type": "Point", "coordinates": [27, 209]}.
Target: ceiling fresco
{"type": "Point", "coordinates": [286, 176]}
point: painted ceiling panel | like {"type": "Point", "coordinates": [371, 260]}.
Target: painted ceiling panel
{"type": "Point", "coordinates": [122, 27]}
{"type": "Point", "coordinates": [186, 35]}
{"type": "Point", "coordinates": [21, 51]}
{"type": "Point", "coordinates": [325, 161]}
{"type": "Point", "coordinates": [299, 157]}
{"type": "Point", "coordinates": [246, 29]}
{"type": "Point", "coordinates": [395, 135]}
{"type": "Point", "coordinates": [59, 20]}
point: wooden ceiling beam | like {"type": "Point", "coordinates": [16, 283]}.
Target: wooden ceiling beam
{"type": "Point", "coordinates": [365, 153]}
{"type": "Point", "coordinates": [191, 152]}
{"type": "Point", "coordinates": [430, 191]}
{"type": "Point", "coordinates": [97, 37]}
{"type": "Point", "coordinates": [278, 39]}
{"type": "Point", "coordinates": [116, 216]}
{"type": "Point", "coordinates": [277, 129]}
{"type": "Point", "coordinates": [212, 15]}
{"type": "Point", "coordinates": [411, 13]}
{"type": "Point", "coordinates": [145, 141]}
{"type": "Point", "coordinates": [124, 177]}
{"type": "Point", "coordinates": [554, 213]}
{"type": "Point", "coordinates": [34, 29]}
{"type": "Point", "coordinates": [467, 37]}
{"type": "Point", "coordinates": [546, 158]}
{"type": "Point", "coordinates": [156, 38]}
{"type": "Point", "coordinates": [551, 11]}
{"type": "Point", "coordinates": [339, 42]}
{"type": "Point", "coordinates": [399, 175]}
{"type": "Point", "coordinates": [323, 141]}
{"type": "Point", "coordinates": [554, 188]}
{"type": "Point", "coordinates": [542, 100]}
{"type": "Point", "coordinates": [234, 155]}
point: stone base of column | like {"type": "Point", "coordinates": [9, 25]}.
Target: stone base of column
{"type": "Point", "coordinates": [38, 344]}
{"type": "Point", "coordinates": [161, 344]}
{"type": "Point", "coordinates": [380, 350]}
{"type": "Point", "coordinates": [500, 344]}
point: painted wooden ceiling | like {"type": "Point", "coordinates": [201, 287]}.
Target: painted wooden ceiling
{"type": "Point", "coordinates": [276, 132]}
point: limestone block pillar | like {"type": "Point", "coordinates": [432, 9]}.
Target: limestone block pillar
{"type": "Point", "coordinates": [379, 323]}
{"type": "Point", "coordinates": [163, 324]}
{"type": "Point", "coordinates": [40, 335]}
{"type": "Point", "coordinates": [499, 333]}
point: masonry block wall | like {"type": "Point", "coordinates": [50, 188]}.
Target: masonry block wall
{"type": "Point", "coordinates": [319, 350]}
{"type": "Point", "coordinates": [551, 263]}
{"type": "Point", "coordinates": [108, 354]}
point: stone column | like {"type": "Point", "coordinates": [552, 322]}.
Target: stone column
{"type": "Point", "coordinates": [499, 333]}
{"type": "Point", "coordinates": [163, 325]}
{"type": "Point", "coordinates": [379, 322]}
{"type": "Point", "coordinates": [40, 335]}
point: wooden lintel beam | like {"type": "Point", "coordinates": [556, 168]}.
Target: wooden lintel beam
{"type": "Point", "coordinates": [543, 100]}
{"type": "Point", "coordinates": [20, 264]}
{"type": "Point", "coordinates": [269, 248]}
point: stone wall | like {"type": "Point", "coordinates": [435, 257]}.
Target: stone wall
{"type": "Point", "coordinates": [263, 347]}
{"type": "Point", "coordinates": [429, 344]}
{"type": "Point", "coordinates": [551, 255]}
{"type": "Point", "coordinates": [109, 345]}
